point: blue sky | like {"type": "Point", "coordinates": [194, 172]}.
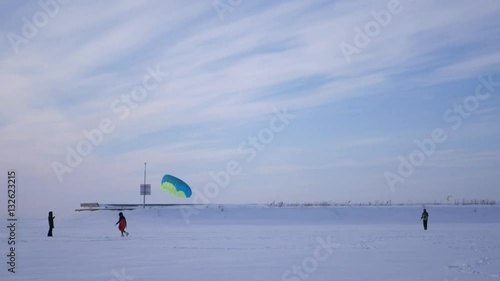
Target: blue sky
{"type": "Point", "coordinates": [221, 77]}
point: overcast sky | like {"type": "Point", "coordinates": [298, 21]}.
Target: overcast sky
{"type": "Point", "coordinates": [281, 100]}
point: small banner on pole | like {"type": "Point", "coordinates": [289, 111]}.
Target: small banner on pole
{"type": "Point", "coordinates": [146, 189]}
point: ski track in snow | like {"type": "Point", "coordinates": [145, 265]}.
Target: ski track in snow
{"type": "Point", "coordinates": [475, 267]}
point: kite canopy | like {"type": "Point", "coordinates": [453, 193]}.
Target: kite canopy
{"type": "Point", "coordinates": [175, 186]}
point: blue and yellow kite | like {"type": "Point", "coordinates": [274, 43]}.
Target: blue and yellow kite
{"type": "Point", "coordinates": [175, 186]}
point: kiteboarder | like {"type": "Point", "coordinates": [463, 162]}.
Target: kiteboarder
{"type": "Point", "coordinates": [51, 224]}
{"type": "Point", "coordinates": [122, 224]}
{"type": "Point", "coordinates": [424, 218]}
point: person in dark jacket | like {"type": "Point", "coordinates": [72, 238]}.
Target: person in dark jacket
{"type": "Point", "coordinates": [424, 218]}
{"type": "Point", "coordinates": [51, 224]}
{"type": "Point", "coordinates": [122, 224]}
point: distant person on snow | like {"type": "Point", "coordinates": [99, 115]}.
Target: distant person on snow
{"type": "Point", "coordinates": [122, 224]}
{"type": "Point", "coordinates": [424, 218]}
{"type": "Point", "coordinates": [51, 224]}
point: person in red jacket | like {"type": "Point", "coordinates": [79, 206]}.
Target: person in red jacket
{"type": "Point", "coordinates": [122, 224]}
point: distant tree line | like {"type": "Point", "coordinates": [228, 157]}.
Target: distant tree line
{"type": "Point", "coordinates": [381, 203]}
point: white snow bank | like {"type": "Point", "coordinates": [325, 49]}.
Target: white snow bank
{"type": "Point", "coordinates": [262, 244]}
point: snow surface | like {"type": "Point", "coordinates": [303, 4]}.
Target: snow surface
{"type": "Point", "coordinates": [259, 243]}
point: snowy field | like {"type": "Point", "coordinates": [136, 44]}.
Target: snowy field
{"type": "Point", "coordinates": [259, 243]}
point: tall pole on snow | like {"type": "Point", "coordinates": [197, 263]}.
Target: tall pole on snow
{"type": "Point", "coordinates": [145, 188]}
{"type": "Point", "coordinates": [144, 200]}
